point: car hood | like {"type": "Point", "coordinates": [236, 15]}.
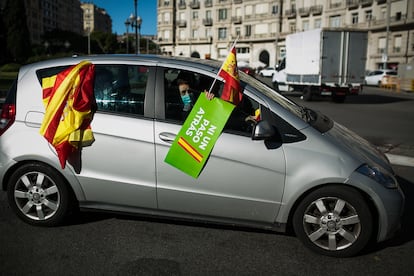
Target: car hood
{"type": "Point", "coordinates": [358, 147]}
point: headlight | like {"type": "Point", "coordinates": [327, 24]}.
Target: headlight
{"type": "Point", "coordinates": [378, 175]}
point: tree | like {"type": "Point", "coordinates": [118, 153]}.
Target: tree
{"type": "Point", "coordinates": [106, 42]}
{"type": "Point", "coordinates": [3, 41]}
{"type": "Point", "coordinates": [17, 33]}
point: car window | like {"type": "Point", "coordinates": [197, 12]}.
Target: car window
{"type": "Point", "coordinates": [120, 88]}
{"type": "Point", "coordinates": [240, 121]}
{"type": "Point", "coordinates": [196, 83]}
{"type": "Point", "coordinates": [392, 73]}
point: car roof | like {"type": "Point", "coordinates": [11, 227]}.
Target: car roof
{"type": "Point", "coordinates": [202, 64]}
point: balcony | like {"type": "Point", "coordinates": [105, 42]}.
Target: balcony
{"type": "Point", "coordinates": [182, 5]}
{"type": "Point", "coordinates": [195, 4]}
{"type": "Point", "coordinates": [208, 3]}
{"type": "Point", "coordinates": [290, 13]}
{"type": "Point", "coordinates": [316, 10]}
{"type": "Point", "coordinates": [304, 12]}
{"type": "Point", "coordinates": [236, 19]}
{"type": "Point", "coordinates": [366, 3]}
{"type": "Point", "coordinates": [182, 23]}
{"type": "Point", "coordinates": [381, 2]}
{"type": "Point", "coordinates": [208, 22]}
{"type": "Point", "coordinates": [335, 5]}
{"type": "Point", "coordinates": [352, 4]}
{"type": "Point", "coordinates": [237, 1]}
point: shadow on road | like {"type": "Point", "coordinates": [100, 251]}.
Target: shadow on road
{"type": "Point", "coordinates": [360, 99]}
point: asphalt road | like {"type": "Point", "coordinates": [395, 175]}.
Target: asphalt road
{"type": "Point", "coordinates": [106, 244]}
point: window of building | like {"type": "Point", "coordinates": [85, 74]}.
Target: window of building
{"type": "Point", "coordinates": [237, 31]}
{"type": "Point", "coordinates": [275, 9]}
{"type": "Point", "coordinates": [248, 30]}
{"type": "Point", "coordinates": [305, 25]}
{"type": "Point", "coordinates": [167, 17]}
{"type": "Point", "coordinates": [209, 34]}
{"type": "Point", "coordinates": [182, 35]}
{"type": "Point", "coordinates": [292, 27]}
{"type": "Point", "coordinates": [368, 15]}
{"type": "Point", "coordinates": [243, 50]}
{"type": "Point", "coordinates": [354, 18]}
{"type": "Point", "coordinates": [208, 14]}
{"type": "Point", "coordinates": [222, 33]}
{"type": "Point", "coordinates": [262, 8]}
{"type": "Point", "coordinates": [248, 10]}
{"type": "Point", "coordinates": [318, 23]}
{"type": "Point", "coordinates": [335, 21]}
{"type": "Point", "coordinates": [195, 15]}
{"type": "Point", "coordinates": [194, 33]}
{"type": "Point", "coordinates": [381, 45]}
{"type": "Point", "coordinates": [397, 44]}
{"type": "Point", "coordinates": [222, 14]}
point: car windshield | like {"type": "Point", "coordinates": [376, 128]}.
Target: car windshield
{"type": "Point", "coordinates": [269, 92]}
{"type": "Point", "coordinates": [317, 120]}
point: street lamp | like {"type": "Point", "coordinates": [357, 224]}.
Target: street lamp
{"type": "Point", "coordinates": [127, 23]}
{"type": "Point", "coordinates": [135, 22]}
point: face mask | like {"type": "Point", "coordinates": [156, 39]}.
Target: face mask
{"type": "Point", "coordinates": [187, 102]}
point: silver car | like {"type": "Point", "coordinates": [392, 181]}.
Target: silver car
{"type": "Point", "coordinates": [294, 169]}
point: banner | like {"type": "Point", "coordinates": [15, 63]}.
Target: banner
{"type": "Point", "coordinates": [200, 131]}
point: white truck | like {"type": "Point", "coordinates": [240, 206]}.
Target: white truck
{"type": "Point", "coordinates": [324, 62]}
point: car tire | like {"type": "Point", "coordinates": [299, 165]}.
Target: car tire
{"type": "Point", "coordinates": [307, 94]}
{"type": "Point", "coordinates": [335, 221]}
{"type": "Point", "coordinates": [39, 195]}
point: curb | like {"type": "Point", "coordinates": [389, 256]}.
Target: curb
{"type": "Point", "coordinates": [400, 160]}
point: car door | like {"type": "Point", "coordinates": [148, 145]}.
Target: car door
{"type": "Point", "coordinates": [118, 168]}
{"type": "Point", "coordinates": [242, 179]}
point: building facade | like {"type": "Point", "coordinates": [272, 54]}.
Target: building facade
{"type": "Point", "coordinates": [95, 19]}
{"type": "Point", "coordinates": [207, 28]}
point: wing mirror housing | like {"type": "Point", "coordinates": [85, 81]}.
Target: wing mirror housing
{"type": "Point", "coordinates": [263, 130]}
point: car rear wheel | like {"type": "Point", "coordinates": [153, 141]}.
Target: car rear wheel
{"type": "Point", "coordinates": [38, 195]}
{"type": "Point", "coordinates": [334, 221]}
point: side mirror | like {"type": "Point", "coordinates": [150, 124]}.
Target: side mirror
{"type": "Point", "coordinates": [263, 130]}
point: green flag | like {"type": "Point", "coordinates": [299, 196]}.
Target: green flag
{"type": "Point", "coordinates": [200, 131]}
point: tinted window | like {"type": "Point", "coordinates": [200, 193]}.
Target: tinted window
{"type": "Point", "coordinates": [121, 88]}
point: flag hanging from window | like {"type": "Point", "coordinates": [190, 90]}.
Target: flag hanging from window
{"type": "Point", "coordinates": [69, 103]}
{"type": "Point", "coordinates": [230, 73]}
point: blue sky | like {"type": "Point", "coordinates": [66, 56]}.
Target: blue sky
{"type": "Point", "coordinates": [120, 10]}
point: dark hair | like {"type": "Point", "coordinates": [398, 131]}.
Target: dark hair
{"type": "Point", "coordinates": [181, 81]}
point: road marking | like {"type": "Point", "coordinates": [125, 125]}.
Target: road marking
{"type": "Point", "coordinates": [401, 160]}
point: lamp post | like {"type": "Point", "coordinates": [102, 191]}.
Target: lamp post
{"type": "Point", "coordinates": [127, 23]}
{"type": "Point", "coordinates": [135, 22]}
{"type": "Point", "coordinates": [139, 22]}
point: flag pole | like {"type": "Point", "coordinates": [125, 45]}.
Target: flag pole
{"type": "Point", "coordinates": [221, 67]}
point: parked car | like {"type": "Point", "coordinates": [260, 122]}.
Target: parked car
{"type": "Point", "coordinates": [267, 72]}
{"type": "Point", "coordinates": [294, 168]}
{"type": "Point", "coordinates": [375, 77]}
{"type": "Point", "coordinates": [248, 70]}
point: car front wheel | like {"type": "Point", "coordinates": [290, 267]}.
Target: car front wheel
{"type": "Point", "coordinates": [38, 195]}
{"type": "Point", "coordinates": [334, 221]}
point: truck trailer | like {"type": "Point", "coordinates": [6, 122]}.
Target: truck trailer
{"type": "Point", "coordinates": [323, 62]}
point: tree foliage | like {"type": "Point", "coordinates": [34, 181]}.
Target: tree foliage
{"type": "Point", "coordinates": [17, 35]}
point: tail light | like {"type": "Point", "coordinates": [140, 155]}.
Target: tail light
{"type": "Point", "coordinates": [7, 116]}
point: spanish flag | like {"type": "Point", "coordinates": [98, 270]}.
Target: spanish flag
{"type": "Point", "coordinates": [230, 73]}
{"type": "Point", "coordinates": [69, 106]}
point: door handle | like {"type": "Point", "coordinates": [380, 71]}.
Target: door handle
{"type": "Point", "coordinates": [167, 137]}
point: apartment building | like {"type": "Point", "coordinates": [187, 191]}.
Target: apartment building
{"type": "Point", "coordinates": [207, 28]}
{"type": "Point", "coordinates": [95, 19]}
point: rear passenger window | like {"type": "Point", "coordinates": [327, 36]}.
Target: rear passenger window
{"type": "Point", "coordinates": [121, 88]}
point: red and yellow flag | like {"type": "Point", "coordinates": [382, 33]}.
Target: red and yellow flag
{"type": "Point", "coordinates": [230, 73]}
{"type": "Point", "coordinates": [70, 103]}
